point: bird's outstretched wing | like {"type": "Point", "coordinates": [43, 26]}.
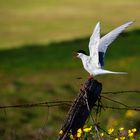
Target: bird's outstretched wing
{"type": "Point", "coordinates": [106, 40]}
{"type": "Point", "coordinates": [94, 43]}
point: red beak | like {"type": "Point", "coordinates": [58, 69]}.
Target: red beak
{"type": "Point", "coordinates": [76, 55]}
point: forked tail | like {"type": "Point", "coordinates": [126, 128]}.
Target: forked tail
{"type": "Point", "coordinates": [119, 72]}
{"type": "Point", "coordinates": [112, 72]}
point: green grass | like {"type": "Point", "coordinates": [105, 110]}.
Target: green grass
{"type": "Point", "coordinates": [36, 73]}
{"type": "Point", "coordinates": [41, 22]}
{"type": "Point", "coordinates": [43, 57]}
{"type": "Point", "coordinates": [37, 39]}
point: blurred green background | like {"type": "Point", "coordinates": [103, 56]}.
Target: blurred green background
{"type": "Point", "coordinates": [37, 38]}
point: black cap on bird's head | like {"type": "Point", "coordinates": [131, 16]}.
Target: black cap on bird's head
{"type": "Point", "coordinates": [82, 51]}
{"type": "Point", "coordinates": [78, 52]}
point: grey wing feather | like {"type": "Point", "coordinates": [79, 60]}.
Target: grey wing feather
{"type": "Point", "coordinates": [94, 39]}
{"type": "Point", "coordinates": [94, 43]}
{"type": "Point", "coordinates": [106, 40]}
{"type": "Point", "coordinates": [111, 36]}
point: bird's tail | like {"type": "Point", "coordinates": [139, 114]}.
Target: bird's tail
{"type": "Point", "coordinates": [119, 72]}
{"type": "Point", "coordinates": [112, 72]}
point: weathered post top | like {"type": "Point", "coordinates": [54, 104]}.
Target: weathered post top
{"type": "Point", "coordinates": [79, 112]}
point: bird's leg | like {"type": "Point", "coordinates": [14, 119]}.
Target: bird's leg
{"type": "Point", "coordinates": [90, 77]}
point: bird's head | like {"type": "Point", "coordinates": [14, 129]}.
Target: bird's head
{"type": "Point", "coordinates": [79, 53]}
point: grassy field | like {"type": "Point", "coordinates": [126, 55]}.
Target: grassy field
{"type": "Point", "coordinates": [37, 39]}
{"type": "Point", "coordinates": [41, 22]}
{"type": "Point", "coordinates": [32, 74]}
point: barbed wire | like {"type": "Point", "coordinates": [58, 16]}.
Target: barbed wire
{"type": "Point", "coordinates": [119, 92]}
{"type": "Point", "coordinates": [40, 104]}
{"type": "Point", "coordinates": [68, 103]}
{"type": "Point", "coordinates": [121, 108]}
{"type": "Point", "coordinates": [107, 98]}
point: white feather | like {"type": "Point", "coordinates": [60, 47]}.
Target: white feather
{"type": "Point", "coordinates": [94, 43]}
{"type": "Point", "coordinates": [106, 40]}
{"type": "Point", "coordinates": [91, 63]}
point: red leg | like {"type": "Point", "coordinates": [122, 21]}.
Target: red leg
{"type": "Point", "coordinates": [90, 77]}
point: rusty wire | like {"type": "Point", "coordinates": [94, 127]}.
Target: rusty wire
{"type": "Point", "coordinates": [68, 103]}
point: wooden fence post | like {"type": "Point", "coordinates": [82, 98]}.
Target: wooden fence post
{"type": "Point", "coordinates": [79, 111]}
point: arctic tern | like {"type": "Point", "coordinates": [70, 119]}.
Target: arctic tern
{"type": "Point", "coordinates": [94, 63]}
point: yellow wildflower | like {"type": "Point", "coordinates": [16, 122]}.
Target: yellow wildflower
{"type": "Point", "coordinates": [110, 130]}
{"type": "Point", "coordinates": [88, 129]}
{"type": "Point", "coordinates": [71, 137]}
{"type": "Point", "coordinates": [61, 132]}
{"type": "Point", "coordinates": [129, 131]}
{"type": "Point", "coordinates": [78, 135]}
{"type": "Point", "coordinates": [102, 134]}
{"type": "Point", "coordinates": [79, 132]}
{"type": "Point", "coordinates": [121, 128]}
{"type": "Point", "coordinates": [122, 138]}
{"type": "Point", "coordinates": [130, 134]}
{"type": "Point", "coordinates": [116, 139]}
{"type": "Point", "coordinates": [134, 130]}
{"type": "Point", "coordinates": [130, 113]}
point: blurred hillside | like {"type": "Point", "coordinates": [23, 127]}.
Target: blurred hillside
{"type": "Point", "coordinates": [41, 22]}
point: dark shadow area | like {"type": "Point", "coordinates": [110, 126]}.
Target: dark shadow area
{"type": "Point", "coordinates": [59, 54]}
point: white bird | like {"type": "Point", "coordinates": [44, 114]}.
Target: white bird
{"type": "Point", "coordinates": [97, 48]}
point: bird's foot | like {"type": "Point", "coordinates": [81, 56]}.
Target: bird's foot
{"type": "Point", "coordinates": [90, 77]}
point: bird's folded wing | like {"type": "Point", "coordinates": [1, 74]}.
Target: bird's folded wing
{"type": "Point", "coordinates": [94, 43]}
{"type": "Point", "coordinates": [106, 40]}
